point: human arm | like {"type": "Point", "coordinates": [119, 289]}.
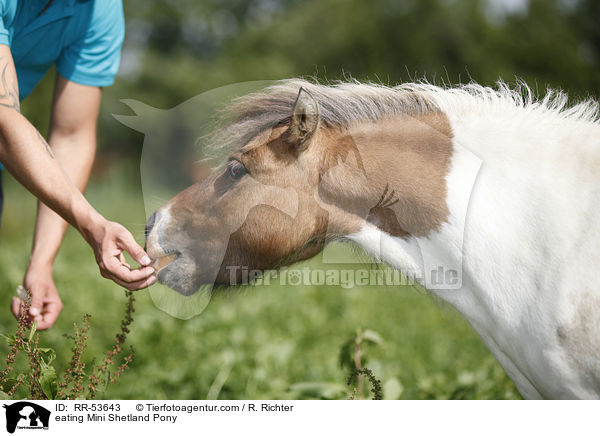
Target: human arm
{"type": "Point", "coordinates": [31, 161]}
{"type": "Point", "coordinates": [72, 139]}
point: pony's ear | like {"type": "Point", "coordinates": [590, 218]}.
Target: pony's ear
{"type": "Point", "coordinates": [304, 120]}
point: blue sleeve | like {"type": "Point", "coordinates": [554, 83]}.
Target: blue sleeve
{"type": "Point", "coordinates": [4, 40]}
{"type": "Point", "coordinates": [7, 10]}
{"type": "Point", "coordinates": [93, 59]}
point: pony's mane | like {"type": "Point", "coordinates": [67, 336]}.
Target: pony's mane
{"type": "Point", "coordinates": [345, 103]}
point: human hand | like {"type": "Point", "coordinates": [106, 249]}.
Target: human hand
{"type": "Point", "coordinates": [45, 301]}
{"type": "Point", "coordinates": [109, 241]}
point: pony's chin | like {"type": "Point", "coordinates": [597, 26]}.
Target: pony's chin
{"type": "Point", "coordinates": [183, 287]}
{"type": "Point", "coordinates": [176, 276]}
{"type": "Point", "coordinates": [181, 276]}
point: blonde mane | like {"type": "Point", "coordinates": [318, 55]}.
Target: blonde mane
{"type": "Point", "coordinates": [343, 103]}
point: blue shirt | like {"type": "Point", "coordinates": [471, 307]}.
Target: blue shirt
{"type": "Point", "coordinates": [82, 38]}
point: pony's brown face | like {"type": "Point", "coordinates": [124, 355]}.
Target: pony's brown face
{"type": "Point", "coordinates": [259, 212]}
{"type": "Point", "coordinates": [298, 184]}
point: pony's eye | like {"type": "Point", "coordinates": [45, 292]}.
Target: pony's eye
{"type": "Point", "coordinates": [236, 170]}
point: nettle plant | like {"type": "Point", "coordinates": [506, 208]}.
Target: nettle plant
{"type": "Point", "coordinates": [352, 357]}
{"type": "Point", "coordinates": [80, 380]}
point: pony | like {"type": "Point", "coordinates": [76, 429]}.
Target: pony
{"type": "Point", "coordinates": [491, 184]}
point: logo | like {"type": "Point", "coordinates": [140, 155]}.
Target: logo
{"type": "Point", "coordinates": [26, 415]}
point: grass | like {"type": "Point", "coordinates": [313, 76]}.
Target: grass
{"type": "Point", "coordinates": [266, 342]}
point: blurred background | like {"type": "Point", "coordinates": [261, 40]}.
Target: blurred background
{"type": "Point", "coordinates": [285, 343]}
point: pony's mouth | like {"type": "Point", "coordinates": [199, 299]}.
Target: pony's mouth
{"type": "Point", "coordinates": [164, 261]}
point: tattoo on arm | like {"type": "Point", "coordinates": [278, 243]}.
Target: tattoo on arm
{"type": "Point", "coordinates": [9, 94]}
{"type": "Point", "coordinates": [45, 144]}
{"type": "Point", "coordinates": [9, 97]}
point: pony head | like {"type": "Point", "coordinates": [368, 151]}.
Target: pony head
{"type": "Point", "coordinates": [303, 170]}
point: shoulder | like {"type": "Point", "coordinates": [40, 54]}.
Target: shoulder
{"type": "Point", "coordinates": [92, 56]}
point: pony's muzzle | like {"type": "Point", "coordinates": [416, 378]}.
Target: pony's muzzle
{"type": "Point", "coordinates": [149, 225]}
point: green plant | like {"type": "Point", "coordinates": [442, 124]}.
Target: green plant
{"type": "Point", "coordinates": [41, 380]}
{"type": "Point", "coordinates": [376, 388]}
{"type": "Point", "coordinates": [352, 356]}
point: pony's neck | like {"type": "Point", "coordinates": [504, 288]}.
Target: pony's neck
{"type": "Point", "coordinates": [390, 173]}
{"type": "Point", "coordinates": [409, 185]}
{"type": "Point", "coordinates": [433, 259]}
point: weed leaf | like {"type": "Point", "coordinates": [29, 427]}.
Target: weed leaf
{"type": "Point", "coordinates": [48, 382]}
{"type": "Point", "coordinates": [371, 336]}
{"type": "Point", "coordinates": [33, 330]}
{"type": "Point", "coordinates": [47, 356]}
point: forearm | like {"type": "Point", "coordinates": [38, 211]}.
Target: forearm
{"type": "Point", "coordinates": [28, 157]}
{"type": "Point", "coordinates": [75, 153]}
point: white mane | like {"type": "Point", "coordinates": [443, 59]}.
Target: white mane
{"type": "Point", "coordinates": [474, 97]}
{"type": "Point", "coordinates": [344, 103]}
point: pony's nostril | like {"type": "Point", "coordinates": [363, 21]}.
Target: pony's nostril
{"type": "Point", "coordinates": [149, 225]}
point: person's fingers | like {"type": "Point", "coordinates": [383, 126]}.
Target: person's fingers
{"type": "Point", "coordinates": [50, 314]}
{"type": "Point", "coordinates": [15, 306]}
{"type": "Point", "coordinates": [134, 286]}
{"type": "Point", "coordinates": [37, 301]}
{"type": "Point", "coordinates": [123, 260]}
{"type": "Point", "coordinates": [133, 248]}
{"type": "Point", "coordinates": [119, 271]}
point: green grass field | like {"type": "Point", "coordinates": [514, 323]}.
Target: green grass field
{"type": "Point", "coordinates": [266, 342]}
